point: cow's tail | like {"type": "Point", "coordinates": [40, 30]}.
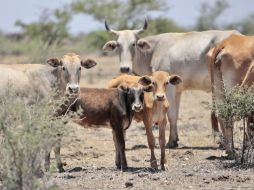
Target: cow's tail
{"type": "Point", "coordinates": [214, 64]}
{"type": "Point", "coordinates": [247, 75]}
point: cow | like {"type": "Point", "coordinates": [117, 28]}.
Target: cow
{"type": "Point", "coordinates": [155, 106]}
{"type": "Point", "coordinates": [183, 54]}
{"type": "Point", "coordinates": [112, 108]}
{"type": "Point", "coordinates": [39, 81]}
{"type": "Point", "coordinates": [231, 64]}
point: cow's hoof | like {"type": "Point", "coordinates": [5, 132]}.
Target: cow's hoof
{"type": "Point", "coordinates": [231, 155]}
{"type": "Point", "coordinates": [154, 164]}
{"type": "Point", "coordinates": [124, 168]}
{"type": "Point", "coordinates": [118, 165]}
{"type": "Point", "coordinates": [172, 144]}
{"type": "Point", "coordinates": [162, 167]}
{"type": "Point", "coordinates": [60, 168]}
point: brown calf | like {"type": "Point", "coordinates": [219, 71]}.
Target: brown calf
{"type": "Point", "coordinates": [155, 106]}
{"type": "Point", "coordinates": [231, 64]}
{"type": "Point", "coordinates": [109, 107]}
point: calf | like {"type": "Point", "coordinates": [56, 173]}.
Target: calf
{"type": "Point", "coordinates": [109, 107]}
{"type": "Point", "coordinates": [155, 108]}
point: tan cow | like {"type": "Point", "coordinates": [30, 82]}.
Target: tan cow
{"type": "Point", "coordinates": [231, 64]}
{"type": "Point", "coordinates": [155, 106]}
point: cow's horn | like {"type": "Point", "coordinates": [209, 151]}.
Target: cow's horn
{"type": "Point", "coordinates": [144, 27]}
{"type": "Point", "coordinates": [109, 29]}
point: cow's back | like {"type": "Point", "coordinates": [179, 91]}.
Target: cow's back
{"type": "Point", "coordinates": [185, 54]}
{"type": "Point", "coordinates": [236, 56]}
{"type": "Point", "coordinates": [26, 80]}
{"type": "Point", "coordinates": [99, 106]}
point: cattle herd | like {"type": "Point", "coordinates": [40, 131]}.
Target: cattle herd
{"type": "Point", "coordinates": [155, 70]}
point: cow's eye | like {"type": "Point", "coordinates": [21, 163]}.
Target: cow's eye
{"type": "Point", "coordinates": [63, 68]}
{"type": "Point", "coordinates": [79, 68]}
{"type": "Point", "coordinates": [166, 83]}
{"type": "Point", "coordinates": [153, 83]}
{"type": "Point", "coordinates": [134, 44]}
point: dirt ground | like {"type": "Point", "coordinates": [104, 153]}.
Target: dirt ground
{"type": "Point", "coordinates": [196, 164]}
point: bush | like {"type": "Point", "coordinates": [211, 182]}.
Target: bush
{"type": "Point", "coordinates": [238, 104]}
{"type": "Point", "coordinates": [26, 131]}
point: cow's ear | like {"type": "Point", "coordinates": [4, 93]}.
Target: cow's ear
{"type": "Point", "coordinates": [175, 79]}
{"type": "Point", "coordinates": [124, 87]}
{"type": "Point", "coordinates": [89, 63]}
{"type": "Point", "coordinates": [143, 45]}
{"type": "Point", "coordinates": [148, 88]}
{"type": "Point", "coordinates": [145, 81]}
{"type": "Point", "coordinates": [54, 62]}
{"type": "Point", "coordinates": [110, 46]}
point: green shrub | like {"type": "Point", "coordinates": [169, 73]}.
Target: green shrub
{"type": "Point", "coordinates": [238, 103]}
{"type": "Point", "coordinates": [26, 132]}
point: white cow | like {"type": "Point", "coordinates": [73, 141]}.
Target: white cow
{"type": "Point", "coordinates": [183, 54]}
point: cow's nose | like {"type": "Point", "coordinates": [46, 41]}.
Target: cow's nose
{"type": "Point", "coordinates": [73, 88]}
{"type": "Point", "coordinates": [137, 107]}
{"type": "Point", "coordinates": [124, 69]}
{"type": "Point", "coordinates": [160, 97]}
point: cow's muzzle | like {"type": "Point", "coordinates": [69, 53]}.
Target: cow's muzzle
{"type": "Point", "coordinates": [125, 69]}
{"type": "Point", "coordinates": [160, 97]}
{"type": "Point", "coordinates": [73, 88]}
{"type": "Point", "coordinates": [137, 107]}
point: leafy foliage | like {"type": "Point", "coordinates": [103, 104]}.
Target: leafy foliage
{"type": "Point", "coordinates": [122, 14]}
{"type": "Point", "coordinates": [209, 14]}
{"type": "Point", "coordinates": [238, 103]}
{"type": "Point", "coordinates": [51, 27]}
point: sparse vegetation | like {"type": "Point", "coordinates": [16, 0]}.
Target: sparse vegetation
{"type": "Point", "coordinates": [26, 132]}
{"type": "Point", "coordinates": [238, 104]}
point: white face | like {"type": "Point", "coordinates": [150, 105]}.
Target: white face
{"type": "Point", "coordinates": [126, 44]}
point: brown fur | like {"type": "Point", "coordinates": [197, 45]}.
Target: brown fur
{"type": "Point", "coordinates": [106, 107]}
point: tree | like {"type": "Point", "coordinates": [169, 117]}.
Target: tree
{"type": "Point", "coordinates": [247, 25]}
{"type": "Point", "coordinates": [122, 14]}
{"type": "Point", "coordinates": [209, 14]}
{"type": "Point", "coordinates": [51, 27]}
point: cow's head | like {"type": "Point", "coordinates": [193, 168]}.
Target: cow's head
{"type": "Point", "coordinates": [69, 70]}
{"type": "Point", "coordinates": [159, 82]}
{"type": "Point", "coordinates": [125, 43]}
{"type": "Point", "coordinates": [135, 96]}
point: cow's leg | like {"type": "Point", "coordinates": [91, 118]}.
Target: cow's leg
{"type": "Point", "coordinates": [151, 141]}
{"type": "Point", "coordinates": [162, 142]}
{"type": "Point", "coordinates": [228, 141]}
{"type": "Point", "coordinates": [57, 148]}
{"type": "Point", "coordinates": [119, 134]}
{"type": "Point", "coordinates": [174, 99]}
{"type": "Point", "coordinates": [117, 157]}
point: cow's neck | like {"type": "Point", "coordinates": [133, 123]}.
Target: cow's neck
{"type": "Point", "coordinates": [126, 108]}
{"type": "Point", "coordinates": [141, 62]}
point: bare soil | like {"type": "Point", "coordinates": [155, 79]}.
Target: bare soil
{"type": "Point", "coordinates": [197, 163]}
